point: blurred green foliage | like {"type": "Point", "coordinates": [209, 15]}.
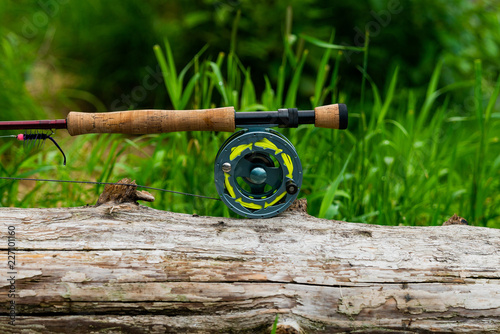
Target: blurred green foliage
{"type": "Point", "coordinates": [424, 122]}
{"type": "Point", "coordinates": [106, 45]}
{"type": "Point", "coordinates": [15, 101]}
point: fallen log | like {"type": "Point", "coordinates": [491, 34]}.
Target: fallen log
{"type": "Point", "coordinates": [131, 269]}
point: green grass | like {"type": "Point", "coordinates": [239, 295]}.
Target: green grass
{"type": "Point", "coordinates": [409, 157]}
{"type": "Point", "coordinates": [275, 325]}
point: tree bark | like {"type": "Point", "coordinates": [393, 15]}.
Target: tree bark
{"type": "Point", "coordinates": [132, 269]}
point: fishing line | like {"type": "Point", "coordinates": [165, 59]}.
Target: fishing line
{"type": "Point", "coordinates": [106, 183]}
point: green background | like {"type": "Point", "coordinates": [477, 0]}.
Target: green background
{"type": "Point", "coordinates": [422, 93]}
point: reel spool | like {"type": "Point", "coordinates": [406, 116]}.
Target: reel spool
{"type": "Point", "coordinates": [258, 173]}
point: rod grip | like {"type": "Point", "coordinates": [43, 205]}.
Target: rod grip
{"type": "Point", "coordinates": [151, 121]}
{"type": "Point", "coordinates": [332, 116]}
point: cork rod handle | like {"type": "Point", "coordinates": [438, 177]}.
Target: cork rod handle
{"type": "Point", "coordinates": [151, 121]}
{"type": "Point", "coordinates": [332, 116]}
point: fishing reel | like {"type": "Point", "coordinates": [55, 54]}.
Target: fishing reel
{"type": "Point", "coordinates": [257, 170]}
{"type": "Point", "coordinates": [258, 173]}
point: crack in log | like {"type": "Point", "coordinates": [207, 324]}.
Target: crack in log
{"type": "Point", "coordinates": [357, 285]}
{"type": "Point", "coordinates": [255, 304]}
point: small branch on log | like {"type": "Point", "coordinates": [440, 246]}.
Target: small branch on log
{"type": "Point", "coordinates": [455, 220]}
{"type": "Point", "coordinates": [117, 194]}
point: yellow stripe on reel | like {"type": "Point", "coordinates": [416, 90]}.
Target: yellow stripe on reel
{"type": "Point", "coordinates": [266, 143]}
{"type": "Point", "coordinates": [237, 150]}
{"type": "Point", "coordinates": [249, 205]}
{"type": "Point", "coordinates": [266, 205]}
{"type": "Point", "coordinates": [288, 164]}
{"type": "Point", "coordinates": [229, 187]}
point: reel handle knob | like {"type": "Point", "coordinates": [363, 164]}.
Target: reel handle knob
{"type": "Point", "coordinates": [291, 187]}
{"type": "Point", "coordinates": [332, 116]}
{"type": "Point", "coordinates": [151, 121]}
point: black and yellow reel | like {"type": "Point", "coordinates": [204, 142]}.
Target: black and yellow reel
{"type": "Point", "coordinates": [258, 173]}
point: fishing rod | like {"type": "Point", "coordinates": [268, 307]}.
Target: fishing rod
{"type": "Point", "coordinates": [257, 170]}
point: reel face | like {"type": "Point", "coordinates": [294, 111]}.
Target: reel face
{"type": "Point", "coordinates": [257, 173]}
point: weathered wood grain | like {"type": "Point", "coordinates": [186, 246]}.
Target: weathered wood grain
{"type": "Point", "coordinates": [130, 269]}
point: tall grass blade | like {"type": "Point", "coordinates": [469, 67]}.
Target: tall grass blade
{"type": "Point", "coordinates": [389, 97]}
{"type": "Point", "coordinates": [280, 88]}
{"type": "Point", "coordinates": [288, 40]}
{"type": "Point", "coordinates": [365, 70]}
{"type": "Point", "coordinates": [168, 78]}
{"type": "Point", "coordinates": [268, 95]}
{"type": "Point", "coordinates": [332, 189]}
{"type": "Point", "coordinates": [326, 45]}
{"type": "Point", "coordinates": [248, 97]}
{"type": "Point", "coordinates": [430, 95]}
{"type": "Point", "coordinates": [492, 102]}
{"type": "Point", "coordinates": [477, 190]}
{"type": "Point", "coordinates": [291, 95]}
{"type": "Point", "coordinates": [335, 78]}
{"type": "Point", "coordinates": [234, 32]}
{"type": "Point", "coordinates": [275, 325]}
{"type": "Point", "coordinates": [188, 91]}
{"type": "Point", "coordinates": [322, 73]}
{"type": "Point", "coordinates": [170, 60]}
{"type": "Point", "coordinates": [219, 82]}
